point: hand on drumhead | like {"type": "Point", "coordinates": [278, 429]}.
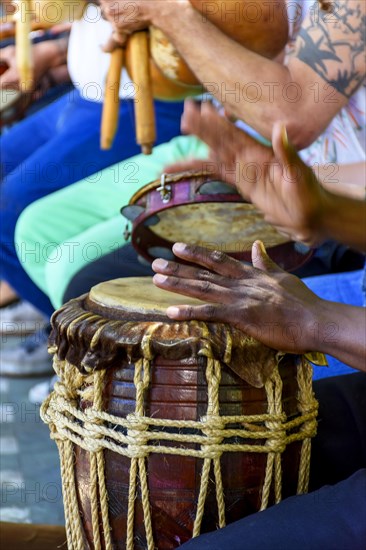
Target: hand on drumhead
{"type": "Point", "coordinates": [261, 300]}
{"type": "Point", "coordinates": [289, 194]}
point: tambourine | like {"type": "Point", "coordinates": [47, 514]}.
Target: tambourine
{"type": "Point", "coordinates": [194, 208]}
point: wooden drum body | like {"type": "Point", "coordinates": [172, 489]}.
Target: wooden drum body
{"type": "Point", "coordinates": [168, 429]}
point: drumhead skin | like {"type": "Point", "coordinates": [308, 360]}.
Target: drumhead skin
{"type": "Point", "coordinates": [136, 296]}
{"type": "Point", "coordinates": [231, 226]}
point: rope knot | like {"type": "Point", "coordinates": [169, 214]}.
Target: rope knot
{"type": "Point", "coordinates": [276, 445]}
{"type": "Point", "coordinates": [64, 391]}
{"type": "Point", "coordinates": [137, 436]}
{"type": "Point", "coordinates": [213, 428]}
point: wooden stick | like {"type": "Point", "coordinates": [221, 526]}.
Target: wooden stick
{"type": "Point", "coordinates": [110, 112]}
{"type": "Point", "coordinates": [23, 45]}
{"type": "Point", "coordinates": [144, 102]}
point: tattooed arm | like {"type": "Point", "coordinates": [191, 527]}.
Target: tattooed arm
{"type": "Point", "coordinates": [327, 67]}
{"type": "Point", "coordinates": [330, 61]}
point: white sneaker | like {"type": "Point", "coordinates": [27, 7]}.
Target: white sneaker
{"type": "Point", "coordinates": [29, 358]}
{"type": "Point", "coordinates": [20, 318]}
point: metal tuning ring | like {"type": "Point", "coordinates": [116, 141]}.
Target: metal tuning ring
{"type": "Point", "coordinates": [165, 190]}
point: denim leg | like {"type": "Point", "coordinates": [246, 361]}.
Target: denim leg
{"type": "Point", "coordinates": [345, 288]}
{"type": "Point", "coordinates": [71, 154]}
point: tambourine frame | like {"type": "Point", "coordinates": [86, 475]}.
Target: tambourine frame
{"type": "Point", "coordinates": [174, 190]}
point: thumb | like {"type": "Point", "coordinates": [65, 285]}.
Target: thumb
{"type": "Point", "coordinates": [261, 260]}
{"type": "Point", "coordinates": [283, 149]}
{"type": "Point", "coordinates": [296, 170]}
{"type": "Point", "coordinates": [190, 116]}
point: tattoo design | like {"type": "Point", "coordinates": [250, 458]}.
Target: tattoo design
{"type": "Point", "coordinates": [333, 45]}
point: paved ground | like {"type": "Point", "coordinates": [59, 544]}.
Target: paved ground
{"type": "Point", "coordinates": [29, 465]}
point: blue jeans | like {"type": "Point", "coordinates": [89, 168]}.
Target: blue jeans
{"type": "Point", "coordinates": [346, 288]}
{"type": "Point", "coordinates": [55, 147]}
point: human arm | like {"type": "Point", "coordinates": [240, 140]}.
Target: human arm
{"type": "Point", "coordinates": [263, 301]}
{"type": "Point", "coordinates": [48, 55]}
{"type": "Point", "coordinates": [327, 67]}
{"type": "Point", "coordinates": [277, 181]}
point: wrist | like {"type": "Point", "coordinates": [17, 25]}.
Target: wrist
{"type": "Point", "coordinates": [328, 211]}
{"type": "Point", "coordinates": [322, 327]}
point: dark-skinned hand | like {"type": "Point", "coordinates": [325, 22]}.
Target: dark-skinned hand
{"type": "Point", "coordinates": [262, 300]}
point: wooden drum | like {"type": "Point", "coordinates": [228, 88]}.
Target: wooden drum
{"type": "Point", "coordinates": [168, 429]}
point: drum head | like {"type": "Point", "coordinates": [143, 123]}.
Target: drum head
{"type": "Point", "coordinates": [135, 298]}
{"type": "Point", "coordinates": [230, 227]}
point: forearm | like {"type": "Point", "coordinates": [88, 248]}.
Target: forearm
{"type": "Point", "coordinates": [248, 84]}
{"type": "Point", "coordinates": [340, 330]}
{"type": "Point", "coordinates": [343, 179]}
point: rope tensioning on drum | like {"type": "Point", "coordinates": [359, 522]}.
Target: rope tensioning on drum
{"type": "Point", "coordinates": [87, 429]}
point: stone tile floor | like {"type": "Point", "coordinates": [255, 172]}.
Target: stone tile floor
{"type": "Point", "coordinates": [29, 466]}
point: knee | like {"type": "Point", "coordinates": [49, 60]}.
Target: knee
{"type": "Point", "coordinates": [32, 222]}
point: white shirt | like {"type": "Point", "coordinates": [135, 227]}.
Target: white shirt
{"type": "Point", "coordinates": [87, 63]}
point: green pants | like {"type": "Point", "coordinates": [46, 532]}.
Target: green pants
{"type": "Point", "coordinates": [81, 223]}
